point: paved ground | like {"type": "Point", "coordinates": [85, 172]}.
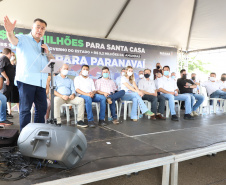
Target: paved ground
{"type": "Point", "coordinates": [200, 171]}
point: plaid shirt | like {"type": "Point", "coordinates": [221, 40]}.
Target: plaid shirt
{"type": "Point", "coordinates": [104, 85]}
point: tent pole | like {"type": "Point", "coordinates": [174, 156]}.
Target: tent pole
{"type": "Point", "coordinates": [118, 17]}
{"type": "Point", "coordinates": [191, 24]}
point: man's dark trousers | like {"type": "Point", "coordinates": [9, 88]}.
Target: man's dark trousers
{"type": "Point", "coordinates": [154, 99]}
{"type": "Point", "coordinates": [29, 94]}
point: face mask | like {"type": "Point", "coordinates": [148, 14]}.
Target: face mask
{"type": "Point", "coordinates": [193, 78]}
{"type": "Point", "coordinates": [12, 58]}
{"type": "Point", "coordinates": [173, 77]}
{"type": "Point", "coordinates": [146, 75]}
{"type": "Point", "coordinates": [212, 79]}
{"type": "Point", "coordinates": [129, 73]}
{"type": "Point", "coordinates": [141, 76]}
{"type": "Point", "coordinates": [85, 73]}
{"type": "Point", "coordinates": [105, 75]}
{"type": "Point", "coordinates": [223, 78]}
{"type": "Point", "coordinates": [166, 73]}
{"type": "Point", "coordinates": [184, 76]}
{"type": "Point", "coordinates": [123, 73]}
{"type": "Point", "coordinates": [64, 72]}
{"type": "Point", "coordinates": [158, 67]}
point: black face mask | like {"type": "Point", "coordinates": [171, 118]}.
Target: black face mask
{"type": "Point", "coordinates": [158, 67]}
{"type": "Point", "coordinates": [184, 76]}
{"type": "Point", "coordinates": [146, 75]}
{"type": "Point", "coordinates": [223, 79]}
{"type": "Point", "coordinates": [193, 78]}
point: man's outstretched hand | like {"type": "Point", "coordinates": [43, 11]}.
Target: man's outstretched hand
{"type": "Point", "coordinates": [9, 26]}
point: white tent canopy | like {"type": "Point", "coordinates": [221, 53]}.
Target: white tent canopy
{"type": "Point", "coordinates": [184, 24]}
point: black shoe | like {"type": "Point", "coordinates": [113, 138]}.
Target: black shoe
{"type": "Point", "coordinates": [7, 122]}
{"type": "Point", "coordinates": [174, 118]}
{"type": "Point", "coordinates": [92, 124]}
{"type": "Point", "coordinates": [10, 116]}
{"type": "Point", "coordinates": [102, 123]}
{"type": "Point", "coordinates": [188, 117]}
{"type": "Point", "coordinates": [82, 124]}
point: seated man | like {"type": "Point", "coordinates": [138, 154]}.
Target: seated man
{"type": "Point", "coordinates": [186, 87]}
{"type": "Point", "coordinates": [118, 79]}
{"type": "Point", "coordinates": [140, 77]}
{"type": "Point", "coordinates": [223, 82]}
{"type": "Point", "coordinates": [3, 120]}
{"type": "Point", "coordinates": [213, 87]}
{"type": "Point", "coordinates": [173, 76]}
{"type": "Point", "coordinates": [107, 87]}
{"type": "Point", "coordinates": [147, 86]}
{"type": "Point", "coordinates": [194, 80]}
{"type": "Point", "coordinates": [65, 93]}
{"type": "Point", "coordinates": [84, 86]}
{"type": "Point", "coordinates": [168, 88]}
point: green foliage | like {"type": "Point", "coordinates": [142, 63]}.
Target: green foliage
{"type": "Point", "coordinates": [192, 65]}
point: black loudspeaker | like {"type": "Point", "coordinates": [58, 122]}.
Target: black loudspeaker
{"type": "Point", "coordinates": [63, 145]}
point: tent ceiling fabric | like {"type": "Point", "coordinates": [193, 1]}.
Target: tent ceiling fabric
{"type": "Point", "coordinates": [158, 22]}
{"type": "Point", "coordinates": [209, 25]}
{"type": "Point", "coordinates": [79, 17]}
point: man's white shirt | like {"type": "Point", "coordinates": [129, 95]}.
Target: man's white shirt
{"type": "Point", "coordinates": [167, 84]}
{"type": "Point", "coordinates": [211, 87]}
{"type": "Point", "coordinates": [84, 84]}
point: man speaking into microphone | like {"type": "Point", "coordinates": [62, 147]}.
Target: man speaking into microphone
{"type": "Point", "coordinates": [30, 61]}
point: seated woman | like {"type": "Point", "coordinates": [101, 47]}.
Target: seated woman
{"type": "Point", "coordinates": [128, 84]}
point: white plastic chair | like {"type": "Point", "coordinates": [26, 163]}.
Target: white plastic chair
{"type": "Point", "coordinates": [66, 106]}
{"type": "Point", "coordinates": [168, 109]}
{"type": "Point", "coordinates": [127, 104]}
{"type": "Point", "coordinates": [32, 113]}
{"type": "Point", "coordinates": [215, 100]}
{"type": "Point", "coordinates": [109, 111]}
{"type": "Point", "coordinates": [97, 105]}
{"type": "Point", "coordinates": [148, 104]}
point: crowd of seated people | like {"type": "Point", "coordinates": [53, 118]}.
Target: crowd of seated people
{"type": "Point", "coordinates": [165, 88]}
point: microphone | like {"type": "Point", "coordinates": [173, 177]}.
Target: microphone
{"type": "Point", "coordinates": [42, 49]}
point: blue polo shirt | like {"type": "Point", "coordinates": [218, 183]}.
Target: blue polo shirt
{"type": "Point", "coordinates": [30, 61]}
{"type": "Point", "coordinates": [64, 86]}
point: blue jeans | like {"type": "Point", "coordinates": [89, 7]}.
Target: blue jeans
{"type": "Point", "coordinates": [88, 104]}
{"type": "Point", "coordinates": [114, 97]}
{"type": "Point", "coordinates": [197, 97]}
{"type": "Point", "coordinates": [3, 107]}
{"type": "Point", "coordinates": [218, 94]}
{"type": "Point", "coordinates": [182, 97]}
{"type": "Point", "coordinates": [133, 96]}
{"type": "Point", "coordinates": [29, 94]}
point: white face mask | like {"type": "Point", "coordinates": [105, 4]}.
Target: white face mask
{"type": "Point", "coordinates": [64, 72]}
{"type": "Point", "coordinates": [212, 79]}
{"type": "Point", "coordinates": [141, 76]}
{"type": "Point", "coordinates": [123, 73]}
{"type": "Point", "coordinates": [85, 73]}
{"type": "Point", "coordinates": [12, 58]}
{"type": "Point", "coordinates": [129, 73]}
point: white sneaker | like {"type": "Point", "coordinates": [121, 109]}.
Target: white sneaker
{"type": "Point", "coordinates": [195, 113]}
{"type": "Point", "coordinates": [192, 114]}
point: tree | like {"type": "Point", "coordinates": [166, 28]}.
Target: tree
{"type": "Point", "coordinates": [191, 64]}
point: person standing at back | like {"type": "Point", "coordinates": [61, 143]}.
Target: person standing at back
{"type": "Point", "coordinates": [30, 61]}
{"type": "Point", "coordinates": [8, 72]}
{"type": "Point", "coordinates": [157, 70]}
